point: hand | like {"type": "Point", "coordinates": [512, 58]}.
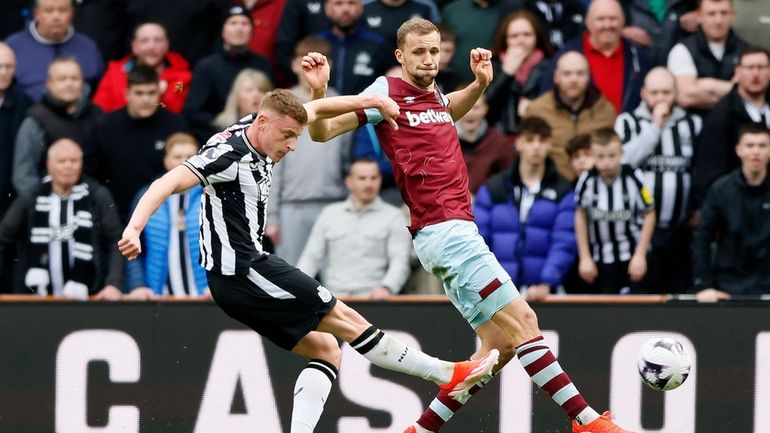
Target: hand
{"type": "Point", "coordinates": [315, 70]}
{"type": "Point", "coordinates": [523, 105]}
{"type": "Point", "coordinates": [514, 57]}
{"type": "Point", "coordinates": [379, 293]}
{"type": "Point", "coordinates": [661, 113]}
{"type": "Point", "coordinates": [587, 270]}
{"type": "Point", "coordinates": [273, 231]}
{"type": "Point", "coordinates": [481, 65]}
{"type": "Point", "coordinates": [141, 294]}
{"type": "Point", "coordinates": [637, 267]}
{"type": "Point", "coordinates": [389, 110]}
{"type": "Point", "coordinates": [130, 245]}
{"type": "Point", "coordinates": [638, 35]}
{"type": "Point", "coordinates": [538, 292]}
{"type": "Point", "coordinates": [108, 293]}
{"type": "Point", "coordinates": [689, 21]}
{"type": "Point", "coordinates": [712, 295]}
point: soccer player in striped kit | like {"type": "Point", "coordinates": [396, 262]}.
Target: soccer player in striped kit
{"type": "Point", "coordinates": [261, 290]}
{"type": "Point", "coordinates": [433, 181]}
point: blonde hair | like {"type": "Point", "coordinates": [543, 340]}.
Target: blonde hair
{"type": "Point", "coordinates": [420, 26]}
{"type": "Point", "coordinates": [179, 138]}
{"type": "Point", "coordinates": [229, 114]}
{"type": "Point", "coordinates": [283, 101]}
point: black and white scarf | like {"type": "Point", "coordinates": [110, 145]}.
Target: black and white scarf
{"type": "Point", "coordinates": [62, 243]}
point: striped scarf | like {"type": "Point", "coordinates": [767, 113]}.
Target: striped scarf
{"type": "Point", "coordinates": [61, 243]}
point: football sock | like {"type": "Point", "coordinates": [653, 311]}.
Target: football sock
{"type": "Point", "coordinates": [543, 368]}
{"type": "Point", "coordinates": [310, 394]}
{"type": "Point", "coordinates": [389, 353]}
{"type": "Point", "coordinates": [443, 407]}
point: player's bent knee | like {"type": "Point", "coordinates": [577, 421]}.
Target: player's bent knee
{"type": "Point", "coordinates": [320, 345]}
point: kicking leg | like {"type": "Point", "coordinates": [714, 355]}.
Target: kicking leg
{"type": "Point", "coordinates": [389, 353]}
{"type": "Point", "coordinates": [443, 407]}
{"type": "Point", "coordinates": [315, 380]}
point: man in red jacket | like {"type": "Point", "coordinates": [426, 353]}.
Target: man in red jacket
{"type": "Point", "coordinates": [149, 46]}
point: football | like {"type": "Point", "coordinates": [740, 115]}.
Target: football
{"type": "Point", "coordinates": [663, 364]}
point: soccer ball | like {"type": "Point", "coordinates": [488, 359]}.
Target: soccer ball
{"type": "Point", "coordinates": [663, 364]}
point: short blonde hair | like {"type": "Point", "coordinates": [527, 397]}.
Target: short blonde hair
{"type": "Point", "coordinates": [283, 101]}
{"type": "Point", "coordinates": [179, 138]}
{"type": "Point", "coordinates": [420, 26]}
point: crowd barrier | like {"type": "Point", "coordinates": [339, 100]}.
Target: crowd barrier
{"type": "Point", "coordinates": [183, 366]}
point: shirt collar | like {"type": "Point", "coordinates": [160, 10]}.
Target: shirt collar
{"type": "Point", "coordinates": [591, 50]}
{"type": "Point", "coordinates": [373, 206]}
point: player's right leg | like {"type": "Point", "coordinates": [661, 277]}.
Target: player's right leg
{"type": "Point", "coordinates": [390, 353]}
{"type": "Point", "coordinates": [315, 381]}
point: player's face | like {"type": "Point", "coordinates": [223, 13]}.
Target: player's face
{"type": "Point", "coordinates": [150, 44]}
{"type": "Point", "coordinates": [278, 134]}
{"type": "Point", "coordinates": [582, 161]}
{"type": "Point", "coordinates": [753, 73]}
{"type": "Point", "coordinates": [236, 32]}
{"type": "Point", "coordinates": [520, 33]}
{"type": "Point", "coordinates": [53, 18]}
{"type": "Point", "coordinates": [7, 67]}
{"type": "Point", "coordinates": [364, 181]}
{"type": "Point", "coordinates": [607, 158]}
{"type": "Point", "coordinates": [533, 149]}
{"type": "Point", "coordinates": [249, 98]}
{"type": "Point", "coordinates": [178, 154]}
{"type": "Point", "coordinates": [142, 100]}
{"type": "Point", "coordinates": [420, 58]}
{"type": "Point", "coordinates": [754, 152]}
{"type": "Point", "coordinates": [716, 18]}
{"type": "Point", "coordinates": [65, 81]}
{"type": "Point", "coordinates": [65, 164]}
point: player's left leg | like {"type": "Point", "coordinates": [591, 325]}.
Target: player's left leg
{"type": "Point", "coordinates": [315, 381]}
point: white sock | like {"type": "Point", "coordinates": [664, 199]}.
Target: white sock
{"type": "Point", "coordinates": [310, 394]}
{"type": "Point", "coordinates": [391, 354]}
{"type": "Point", "coordinates": [586, 416]}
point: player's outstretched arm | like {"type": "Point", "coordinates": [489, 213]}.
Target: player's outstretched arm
{"type": "Point", "coordinates": [461, 101]}
{"type": "Point", "coordinates": [177, 180]}
{"type": "Point", "coordinates": [340, 112]}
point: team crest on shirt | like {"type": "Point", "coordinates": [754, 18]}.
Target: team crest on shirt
{"type": "Point", "coordinates": [314, 7]}
{"type": "Point", "coordinates": [324, 294]}
{"type": "Point", "coordinates": [409, 100]}
{"type": "Point", "coordinates": [374, 22]}
{"type": "Point", "coordinates": [362, 65]}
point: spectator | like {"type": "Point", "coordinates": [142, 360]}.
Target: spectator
{"type": "Point", "coordinates": [614, 220]}
{"type": "Point", "coordinates": [14, 103]}
{"type": "Point", "coordinates": [214, 75]}
{"type": "Point", "coordinates": [64, 112]}
{"type": "Point", "coordinates": [485, 149]}
{"type": "Point", "coordinates": [735, 216]}
{"type": "Point", "coordinates": [579, 153]}
{"type": "Point", "coordinates": [747, 102]}
{"type": "Point", "coordinates": [561, 19]}
{"type": "Point", "coordinates": [752, 22]}
{"type": "Point", "coordinates": [573, 107]}
{"type": "Point", "coordinates": [66, 233]}
{"type": "Point", "coordinates": [385, 16]}
{"type": "Point", "coordinates": [265, 17]}
{"type": "Point", "coordinates": [704, 63]}
{"type": "Point", "coordinates": [149, 46]}
{"type": "Point", "coordinates": [244, 98]}
{"type": "Point", "coordinates": [300, 18]}
{"type": "Point", "coordinates": [659, 138]}
{"type": "Point", "coordinates": [447, 79]}
{"type": "Point", "coordinates": [360, 55]}
{"type": "Point", "coordinates": [526, 215]}
{"type": "Point", "coordinates": [169, 263]}
{"type": "Point", "coordinates": [125, 151]}
{"type": "Point", "coordinates": [617, 64]}
{"type": "Point", "coordinates": [361, 243]}
{"type": "Point", "coordinates": [295, 203]}
{"type": "Point", "coordinates": [48, 36]}
{"type": "Point", "coordinates": [472, 22]}
{"type": "Point", "coordinates": [520, 59]}
{"type": "Point", "coordinates": [659, 25]}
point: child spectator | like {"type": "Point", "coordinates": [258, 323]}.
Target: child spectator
{"type": "Point", "coordinates": [579, 151]}
{"type": "Point", "coordinates": [614, 220]}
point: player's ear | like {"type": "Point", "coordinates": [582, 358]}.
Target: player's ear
{"type": "Point", "coordinates": [399, 56]}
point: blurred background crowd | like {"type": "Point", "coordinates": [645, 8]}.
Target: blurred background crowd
{"type": "Point", "coordinates": [622, 147]}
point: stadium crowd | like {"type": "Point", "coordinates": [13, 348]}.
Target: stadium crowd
{"type": "Point", "coordinates": [622, 147]}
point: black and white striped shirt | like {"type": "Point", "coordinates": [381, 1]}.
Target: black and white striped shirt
{"type": "Point", "coordinates": [615, 212]}
{"type": "Point", "coordinates": [236, 180]}
{"type": "Point", "coordinates": [665, 156]}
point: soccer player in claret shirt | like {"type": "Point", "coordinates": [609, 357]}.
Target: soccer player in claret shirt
{"type": "Point", "coordinates": [431, 175]}
{"type": "Point", "coordinates": [261, 290]}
